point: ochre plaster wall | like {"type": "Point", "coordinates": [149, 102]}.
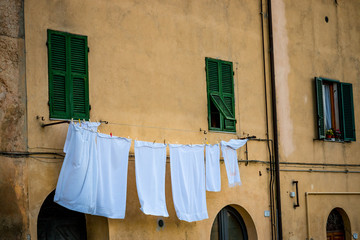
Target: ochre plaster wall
{"type": "Point", "coordinates": [147, 79]}
{"type": "Point", "coordinates": [306, 46]}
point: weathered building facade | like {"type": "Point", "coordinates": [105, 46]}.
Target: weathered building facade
{"type": "Point", "coordinates": [147, 76]}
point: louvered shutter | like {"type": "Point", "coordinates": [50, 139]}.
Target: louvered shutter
{"type": "Point", "coordinates": [220, 88]}
{"type": "Point", "coordinates": [58, 86]}
{"type": "Point", "coordinates": [227, 87]}
{"type": "Point", "coordinates": [347, 106]}
{"type": "Point", "coordinates": [320, 108]}
{"type": "Point", "coordinates": [68, 76]}
{"type": "Point", "coordinates": [79, 82]}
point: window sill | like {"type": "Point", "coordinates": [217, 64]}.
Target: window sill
{"type": "Point", "coordinates": [218, 131]}
{"type": "Point", "coordinates": [330, 140]}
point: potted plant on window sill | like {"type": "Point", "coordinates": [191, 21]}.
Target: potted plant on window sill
{"type": "Point", "coordinates": [330, 135]}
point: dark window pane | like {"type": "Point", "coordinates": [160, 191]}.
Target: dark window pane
{"type": "Point", "coordinates": [234, 228]}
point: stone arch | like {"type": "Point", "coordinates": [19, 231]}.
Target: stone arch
{"type": "Point", "coordinates": [246, 224]}
{"type": "Point", "coordinates": [338, 225]}
{"type": "Point", "coordinates": [57, 222]}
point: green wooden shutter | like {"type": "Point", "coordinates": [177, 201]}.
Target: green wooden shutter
{"type": "Point", "coordinates": [213, 85]}
{"type": "Point", "coordinates": [68, 75]}
{"type": "Point", "coordinates": [347, 107]}
{"type": "Point", "coordinates": [320, 108]}
{"type": "Point", "coordinates": [58, 86]}
{"type": "Point", "coordinates": [79, 77]}
{"type": "Point", "coordinates": [220, 86]}
{"type": "Point", "coordinates": [227, 87]}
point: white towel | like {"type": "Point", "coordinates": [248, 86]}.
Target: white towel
{"type": "Point", "coordinates": [113, 156]}
{"type": "Point", "coordinates": [150, 168]}
{"type": "Point", "coordinates": [230, 157]}
{"type": "Point", "coordinates": [188, 181]}
{"type": "Point", "coordinates": [213, 178]}
{"type": "Point", "coordinates": [78, 175]}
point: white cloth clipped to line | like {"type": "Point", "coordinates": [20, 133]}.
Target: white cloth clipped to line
{"type": "Point", "coordinates": [93, 126]}
{"type": "Point", "coordinates": [78, 176]}
{"type": "Point", "coordinates": [213, 178]}
{"type": "Point", "coordinates": [93, 177]}
{"type": "Point", "coordinates": [112, 159]}
{"type": "Point", "coordinates": [188, 181]}
{"type": "Point", "coordinates": [150, 168]}
{"type": "Point", "coordinates": [229, 153]}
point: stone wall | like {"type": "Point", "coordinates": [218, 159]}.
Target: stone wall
{"type": "Point", "coordinates": [13, 197]}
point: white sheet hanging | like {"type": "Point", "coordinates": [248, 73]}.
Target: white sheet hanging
{"type": "Point", "coordinates": [230, 157]}
{"type": "Point", "coordinates": [213, 178]}
{"type": "Point", "coordinates": [112, 156]}
{"type": "Point", "coordinates": [150, 168]}
{"type": "Point", "coordinates": [188, 181]}
{"type": "Point", "coordinates": [93, 126]}
{"type": "Point", "coordinates": [78, 175]}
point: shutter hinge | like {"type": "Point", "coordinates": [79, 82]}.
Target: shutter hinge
{"type": "Point", "coordinates": [88, 49]}
{"type": "Point", "coordinates": [47, 43]}
{"type": "Point", "coordinates": [48, 103]}
{"type": "Point", "coordinates": [89, 107]}
{"type": "Point", "coordinates": [205, 69]}
{"type": "Point", "coordinates": [233, 73]}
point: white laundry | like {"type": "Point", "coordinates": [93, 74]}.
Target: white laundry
{"type": "Point", "coordinates": [112, 156]}
{"type": "Point", "coordinates": [230, 157]}
{"type": "Point", "coordinates": [150, 168]}
{"type": "Point", "coordinates": [86, 125]}
{"type": "Point", "coordinates": [213, 178]}
{"type": "Point", "coordinates": [78, 175]}
{"type": "Point", "coordinates": [188, 181]}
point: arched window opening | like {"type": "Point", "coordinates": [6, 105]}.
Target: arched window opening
{"type": "Point", "coordinates": [228, 225]}
{"type": "Point", "coordinates": [57, 222]}
{"type": "Point", "coordinates": [335, 228]}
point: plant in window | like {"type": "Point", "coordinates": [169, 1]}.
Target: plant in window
{"type": "Point", "coordinates": [329, 134]}
{"type": "Point", "coordinates": [337, 134]}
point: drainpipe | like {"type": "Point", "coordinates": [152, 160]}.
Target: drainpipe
{"type": "Point", "coordinates": [275, 127]}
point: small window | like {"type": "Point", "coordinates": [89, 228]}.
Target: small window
{"type": "Point", "coordinates": [335, 110]}
{"type": "Point", "coordinates": [68, 75]}
{"type": "Point", "coordinates": [220, 93]}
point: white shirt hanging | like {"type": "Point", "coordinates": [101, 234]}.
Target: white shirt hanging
{"type": "Point", "coordinates": [78, 175]}
{"type": "Point", "coordinates": [230, 158]}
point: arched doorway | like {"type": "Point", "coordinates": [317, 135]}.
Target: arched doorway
{"type": "Point", "coordinates": [337, 225]}
{"type": "Point", "coordinates": [57, 222]}
{"type": "Point", "coordinates": [228, 225]}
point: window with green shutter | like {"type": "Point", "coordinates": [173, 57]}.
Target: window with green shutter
{"type": "Point", "coordinates": [335, 110]}
{"type": "Point", "coordinates": [220, 92]}
{"type": "Point", "coordinates": [68, 75]}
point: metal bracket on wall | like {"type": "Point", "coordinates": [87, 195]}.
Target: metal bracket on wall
{"type": "Point", "coordinates": [297, 194]}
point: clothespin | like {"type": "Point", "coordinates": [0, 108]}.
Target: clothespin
{"type": "Point", "coordinates": [164, 141]}
{"type": "Point", "coordinates": [83, 120]}
{"type": "Point", "coordinates": [72, 120]}
{"type": "Point", "coordinates": [154, 141]}
{"type": "Point", "coordinates": [110, 134]}
{"type": "Point", "coordinates": [79, 122]}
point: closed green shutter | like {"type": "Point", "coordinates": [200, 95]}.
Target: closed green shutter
{"type": "Point", "coordinates": [220, 88]}
{"type": "Point", "coordinates": [58, 87]}
{"type": "Point", "coordinates": [78, 66]}
{"type": "Point", "coordinates": [347, 107]}
{"type": "Point", "coordinates": [320, 108]}
{"type": "Point", "coordinates": [68, 76]}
